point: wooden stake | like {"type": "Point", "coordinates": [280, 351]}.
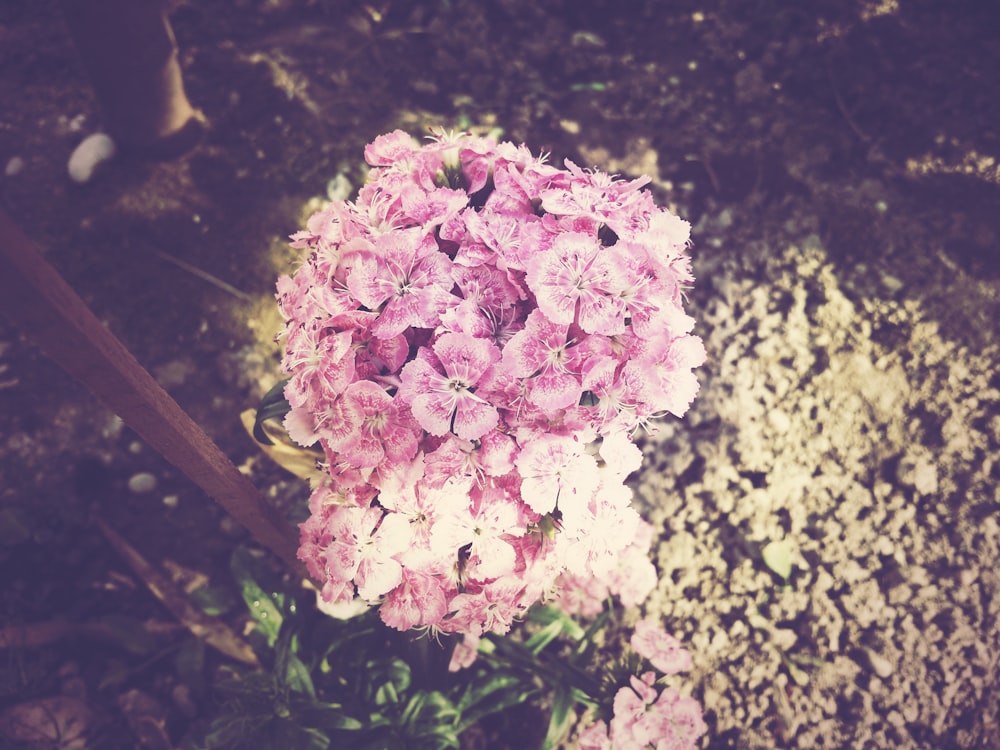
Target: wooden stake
{"type": "Point", "coordinates": [40, 302]}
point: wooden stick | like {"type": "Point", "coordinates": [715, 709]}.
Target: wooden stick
{"type": "Point", "coordinates": [213, 631]}
{"type": "Point", "coordinates": [40, 302]}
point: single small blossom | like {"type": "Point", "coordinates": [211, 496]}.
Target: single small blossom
{"type": "Point", "coordinates": [464, 653]}
{"type": "Point", "coordinates": [420, 600]}
{"type": "Point", "coordinates": [441, 386]}
{"type": "Point", "coordinates": [652, 641]}
{"type": "Point", "coordinates": [575, 281]}
{"type": "Point", "coordinates": [405, 278]}
{"type": "Point", "coordinates": [368, 426]}
{"type": "Point", "coordinates": [543, 354]}
{"type": "Point", "coordinates": [556, 471]}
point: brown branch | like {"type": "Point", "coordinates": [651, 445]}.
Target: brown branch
{"type": "Point", "coordinates": [214, 632]}
{"type": "Point", "coordinates": [40, 302]}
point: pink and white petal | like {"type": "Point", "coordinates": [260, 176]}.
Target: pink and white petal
{"type": "Point", "coordinates": [433, 412]}
{"type": "Point", "coordinates": [497, 452]}
{"type": "Point", "coordinates": [389, 148]}
{"type": "Point", "coordinates": [465, 357]}
{"type": "Point", "coordinates": [342, 424]}
{"type": "Point", "coordinates": [300, 426]}
{"type": "Point", "coordinates": [474, 418]}
{"type": "Point", "coordinates": [362, 451]}
{"type": "Point", "coordinates": [366, 283]}
{"type": "Point", "coordinates": [377, 576]}
{"type": "Point", "coordinates": [495, 558]}
{"type": "Point", "coordinates": [392, 351]}
{"type": "Point", "coordinates": [540, 492]}
{"type": "Point", "coordinates": [418, 376]}
{"type": "Point", "coordinates": [552, 390]}
{"type": "Point", "coordinates": [399, 441]}
{"type": "Point", "coordinates": [602, 314]}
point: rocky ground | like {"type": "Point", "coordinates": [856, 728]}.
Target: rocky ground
{"type": "Point", "coordinates": [839, 162]}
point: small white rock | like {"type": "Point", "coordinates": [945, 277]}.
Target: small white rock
{"type": "Point", "coordinates": [570, 126]}
{"type": "Point", "coordinates": [892, 283]}
{"type": "Point", "coordinates": [93, 151]}
{"type": "Point", "coordinates": [879, 664]}
{"type": "Point", "coordinates": [142, 482]}
{"type": "Point", "coordinates": [171, 501]}
{"type": "Point", "coordinates": [15, 165]}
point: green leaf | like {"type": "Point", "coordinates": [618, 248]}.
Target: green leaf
{"type": "Point", "coordinates": [494, 683]}
{"type": "Point", "coordinates": [287, 734]}
{"type": "Point", "coordinates": [327, 716]}
{"type": "Point", "coordinates": [561, 718]}
{"type": "Point", "coordinates": [586, 640]}
{"type": "Point", "coordinates": [778, 557]}
{"type": "Point", "coordinates": [498, 694]}
{"type": "Point", "coordinates": [297, 677]}
{"type": "Point", "coordinates": [265, 608]}
{"type": "Point", "coordinates": [537, 642]}
{"type": "Point", "coordinates": [272, 406]}
{"type": "Point", "coordinates": [212, 600]}
{"type": "Point", "coordinates": [391, 679]}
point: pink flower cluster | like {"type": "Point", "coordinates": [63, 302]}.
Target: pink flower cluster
{"type": "Point", "coordinates": [473, 342]}
{"type": "Point", "coordinates": [645, 717]}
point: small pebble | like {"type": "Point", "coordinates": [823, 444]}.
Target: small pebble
{"type": "Point", "coordinates": [142, 482]}
{"type": "Point", "coordinates": [14, 166]}
{"type": "Point", "coordinates": [93, 151]}
{"type": "Point", "coordinates": [891, 283]}
{"type": "Point", "coordinates": [171, 501]}
{"type": "Point", "coordinates": [879, 664]}
{"type": "Point", "coordinates": [570, 126]}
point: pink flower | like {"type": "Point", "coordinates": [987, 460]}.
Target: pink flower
{"type": "Point", "coordinates": [456, 340]}
{"type": "Point", "coordinates": [555, 471]}
{"type": "Point", "coordinates": [368, 426]}
{"type": "Point", "coordinates": [373, 357]}
{"type": "Point", "coordinates": [664, 651]}
{"type": "Point", "coordinates": [643, 719]}
{"type": "Point", "coordinates": [405, 278]}
{"type": "Point", "coordinates": [492, 609]}
{"type": "Point", "coordinates": [543, 355]}
{"type": "Point", "coordinates": [320, 362]}
{"type": "Point", "coordinates": [486, 529]}
{"type": "Point", "coordinates": [678, 721]}
{"type": "Point", "coordinates": [575, 281]}
{"type": "Point", "coordinates": [493, 456]}
{"type": "Point", "coordinates": [390, 149]}
{"type": "Point", "coordinates": [601, 198]}
{"type": "Point", "coordinates": [464, 653]}
{"type": "Point", "coordinates": [631, 726]}
{"type": "Point", "coordinates": [364, 544]}
{"type": "Point", "coordinates": [418, 601]}
{"type": "Point", "coordinates": [595, 534]}
{"type": "Point", "coordinates": [441, 385]}
{"type": "Point", "coordinates": [431, 208]}
{"type": "Point", "coordinates": [594, 737]}
{"type": "Point", "coordinates": [665, 369]}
